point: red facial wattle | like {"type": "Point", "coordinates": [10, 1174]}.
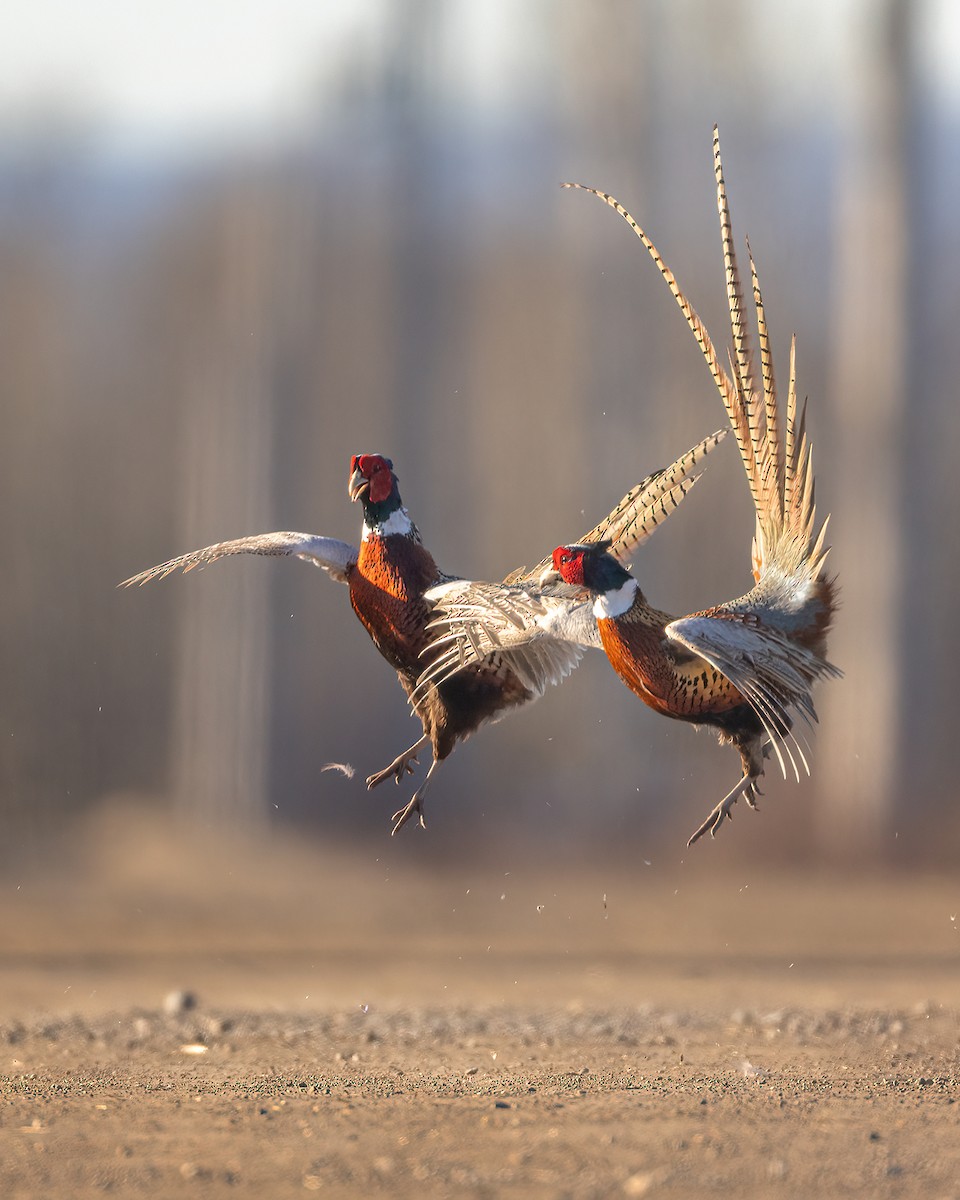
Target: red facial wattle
{"type": "Point", "coordinates": [381, 479]}
{"type": "Point", "coordinates": [569, 564]}
{"type": "Point", "coordinates": [376, 471]}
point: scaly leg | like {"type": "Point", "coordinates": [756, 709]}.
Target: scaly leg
{"type": "Point", "coordinates": [403, 815]}
{"type": "Point", "coordinates": [746, 787]}
{"type": "Point", "coordinates": [401, 765]}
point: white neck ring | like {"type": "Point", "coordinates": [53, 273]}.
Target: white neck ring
{"type": "Point", "coordinates": [615, 602]}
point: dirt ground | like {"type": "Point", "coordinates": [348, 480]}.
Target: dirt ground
{"type": "Point", "coordinates": [188, 1016]}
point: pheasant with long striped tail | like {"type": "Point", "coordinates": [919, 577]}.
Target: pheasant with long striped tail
{"type": "Point", "coordinates": [389, 575]}
{"type": "Point", "coordinates": [747, 667]}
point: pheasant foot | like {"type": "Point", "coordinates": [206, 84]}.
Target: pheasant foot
{"type": "Point", "coordinates": [403, 815]}
{"type": "Point", "coordinates": [746, 787]}
{"type": "Point", "coordinates": [402, 765]}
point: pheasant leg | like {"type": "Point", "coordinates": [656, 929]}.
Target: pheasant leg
{"type": "Point", "coordinates": [401, 765]}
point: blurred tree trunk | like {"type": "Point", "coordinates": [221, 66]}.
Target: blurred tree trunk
{"type": "Point", "coordinates": [221, 723]}
{"type": "Point", "coordinates": [37, 349]}
{"type": "Point", "coordinates": [425, 322]}
{"type": "Point", "coordinates": [860, 745]}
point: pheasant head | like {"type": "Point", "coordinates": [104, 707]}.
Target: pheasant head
{"type": "Point", "coordinates": [588, 565]}
{"type": "Point", "coordinates": [374, 484]}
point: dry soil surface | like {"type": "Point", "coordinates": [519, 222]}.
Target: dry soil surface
{"type": "Point", "coordinates": [180, 1017]}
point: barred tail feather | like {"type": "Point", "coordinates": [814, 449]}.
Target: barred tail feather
{"type": "Point", "coordinates": [725, 384]}
{"type": "Point", "coordinates": [773, 444]}
{"type": "Point", "coordinates": [641, 510]}
{"type": "Point", "coordinates": [776, 455]}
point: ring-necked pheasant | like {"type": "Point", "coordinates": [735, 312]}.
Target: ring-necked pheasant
{"type": "Point", "coordinates": [390, 573]}
{"type": "Point", "coordinates": [748, 666]}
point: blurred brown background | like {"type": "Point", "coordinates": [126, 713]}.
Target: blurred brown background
{"type": "Point", "coordinates": [236, 248]}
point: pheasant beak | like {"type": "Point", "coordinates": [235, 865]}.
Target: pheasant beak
{"type": "Point", "coordinates": [358, 485]}
{"type": "Point", "coordinates": [550, 575]}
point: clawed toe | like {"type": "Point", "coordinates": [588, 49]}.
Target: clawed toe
{"type": "Point", "coordinates": [720, 814]}
{"type": "Point", "coordinates": [401, 766]}
{"type": "Point", "coordinates": [724, 811]}
{"type": "Point", "coordinates": [396, 770]}
{"type": "Point", "coordinates": [403, 815]}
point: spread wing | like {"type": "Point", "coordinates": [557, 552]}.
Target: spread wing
{"type": "Point", "coordinates": [333, 556]}
{"type": "Point", "coordinates": [541, 633]}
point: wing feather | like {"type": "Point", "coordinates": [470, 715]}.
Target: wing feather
{"type": "Point", "coordinates": [331, 555]}
{"type": "Point", "coordinates": [539, 634]}
{"type": "Point", "coordinates": [772, 671]}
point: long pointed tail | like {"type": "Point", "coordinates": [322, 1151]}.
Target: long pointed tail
{"type": "Point", "coordinates": [777, 461]}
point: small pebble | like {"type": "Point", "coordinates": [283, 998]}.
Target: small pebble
{"type": "Point", "coordinates": [176, 1003]}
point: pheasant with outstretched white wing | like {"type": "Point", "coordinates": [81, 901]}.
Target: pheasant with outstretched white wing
{"type": "Point", "coordinates": [390, 575]}
{"type": "Point", "coordinates": [746, 668]}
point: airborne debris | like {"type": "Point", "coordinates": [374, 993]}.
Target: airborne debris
{"type": "Point", "coordinates": [344, 768]}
